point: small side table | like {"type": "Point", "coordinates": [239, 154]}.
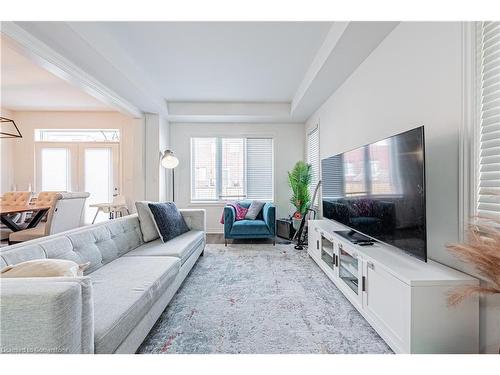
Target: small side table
{"type": "Point", "coordinates": [284, 228]}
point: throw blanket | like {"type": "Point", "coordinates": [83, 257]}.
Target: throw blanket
{"type": "Point", "coordinates": [240, 211]}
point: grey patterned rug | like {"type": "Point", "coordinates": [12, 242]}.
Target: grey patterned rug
{"type": "Point", "coordinates": [260, 299]}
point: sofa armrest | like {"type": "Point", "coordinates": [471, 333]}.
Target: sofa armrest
{"type": "Point", "coordinates": [269, 214]}
{"type": "Point", "coordinates": [229, 218]}
{"type": "Point", "coordinates": [195, 218]}
{"type": "Point", "coordinates": [46, 315]}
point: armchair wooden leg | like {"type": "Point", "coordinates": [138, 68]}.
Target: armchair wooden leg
{"type": "Point", "coordinates": [274, 241]}
{"type": "Point", "coordinates": [225, 242]}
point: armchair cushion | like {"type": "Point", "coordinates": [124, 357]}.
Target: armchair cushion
{"type": "Point", "coordinates": [250, 228]}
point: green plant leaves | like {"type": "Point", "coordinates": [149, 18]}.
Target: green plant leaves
{"type": "Point", "coordinates": [299, 179]}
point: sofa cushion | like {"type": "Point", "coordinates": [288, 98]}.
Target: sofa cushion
{"type": "Point", "coordinates": [249, 228]}
{"type": "Point", "coordinates": [148, 227]}
{"type": "Point", "coordinates": [168, 220]}
{"type": "Point", "coordinates": [124, 291]}
{"type": "Point", "coordinates": [181, 247]}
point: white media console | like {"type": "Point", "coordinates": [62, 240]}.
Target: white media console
{"type": "Point", "coordinates": [403, 298]}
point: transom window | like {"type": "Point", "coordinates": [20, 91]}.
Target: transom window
{"type": "Point", "coordinates": [75, 135]}
{"type": "Point", "coordinates": [231, 169]}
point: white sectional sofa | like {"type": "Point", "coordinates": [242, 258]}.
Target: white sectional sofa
{"type": "Point", "coordinates": [113, 306]}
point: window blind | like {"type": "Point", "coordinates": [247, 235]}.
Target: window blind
{"type": "Point", "coordinates": [260, 168]}
{"type": "Point", "coordinates": [231, 169]}
{"type": "Point", "coordinates": [313, 159]}
{"type": "Point", "coordinates": [488, 204]}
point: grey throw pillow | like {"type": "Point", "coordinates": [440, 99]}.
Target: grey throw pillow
{"type": "Point", "coordinates": [254, 210]}
{"type": "Point", "coordinates": [168, 220]}
{"type": "Point", "coordinates": [148, 227]}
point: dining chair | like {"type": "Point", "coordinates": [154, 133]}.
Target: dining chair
{"type": "Point", "coordinates": [14, 198]}
{"type": "Point", "coordinates": [66, 213]}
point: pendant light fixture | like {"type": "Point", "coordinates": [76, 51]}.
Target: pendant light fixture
{"type": "Point", "coordinates": [9, 129]}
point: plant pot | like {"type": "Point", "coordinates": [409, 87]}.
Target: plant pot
{"type": "Point", "coordinates": [296, 223]}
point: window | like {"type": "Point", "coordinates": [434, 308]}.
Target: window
{"type": "Point", "coordinates": [74, 135]}
{"type": "Point", "coordinates": [313, 159]}
{"type": "Point", "coordinates": [231, 169]}
{"type": "Point", "coordinates": [488, 53]}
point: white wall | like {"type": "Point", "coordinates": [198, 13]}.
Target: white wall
{"type": "Point", "coordinates": [157, 141]}
{"type": "Point", "coordinates": [6, 155]}
{"type": "Point", "coordinates": [131, 151]}
{"type": "Point", "coordinates": [288, 149]}
{"type": "Point", "coordinates": [413, 78]}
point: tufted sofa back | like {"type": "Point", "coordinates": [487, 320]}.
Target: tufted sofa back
{"type": "Point", "coordinates": [16, 198]}
{"type": "Point", "coordinates": [98, 244]}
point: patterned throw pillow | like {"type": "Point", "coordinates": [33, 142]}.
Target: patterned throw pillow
{"type": "Point", "coordinates": [168, 220]}
{"type": "Point", "coordinates": [240, 212]}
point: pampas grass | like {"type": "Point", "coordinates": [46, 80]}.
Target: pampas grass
{"type": "Point", "coordinates": [482, 251]}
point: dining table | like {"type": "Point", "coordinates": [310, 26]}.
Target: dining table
{"type": "Point", "coordinates": [7, 211]}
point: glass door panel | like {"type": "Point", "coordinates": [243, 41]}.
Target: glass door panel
{"type": "Point", "coordinates": [348, 269]}
{"type": "Point", "coordinates": [55, 169]}
{"type": "Point", "coordinates": [327, 252]}
{"type": "Point", "coordinates": [99, 177]}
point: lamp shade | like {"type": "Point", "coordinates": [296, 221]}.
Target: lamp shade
{"type": "Point", "coordinates": [168, 160]}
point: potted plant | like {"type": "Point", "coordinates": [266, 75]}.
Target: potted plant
{"type": "Point", "coordinates": [299, 179]}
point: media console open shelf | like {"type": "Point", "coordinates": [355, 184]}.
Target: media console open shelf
{"type": "Point", "coordinates": [403, 298]}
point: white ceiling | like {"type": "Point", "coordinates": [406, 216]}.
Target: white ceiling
{"type": "Point", "coordinates": [206, 71]}
{"type": "Point", "coordinates": [27, 87]}
{"type": "Point", "coordinates": [222, 61]}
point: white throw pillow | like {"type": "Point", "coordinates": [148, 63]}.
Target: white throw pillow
{"type": "Point", "coordinates": [148, 226]}
{"type": "Point", "coordinates": [44, 268]}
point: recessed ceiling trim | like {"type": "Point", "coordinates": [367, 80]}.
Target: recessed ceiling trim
{"type": "Point", "coordinates": [249, 112]}
{"type": "Point", "coordinates": [331, 40]}
{"type": "Point", "coordinates": [58, 65]}
{"type": "Point", "coordinates": [97, 38]}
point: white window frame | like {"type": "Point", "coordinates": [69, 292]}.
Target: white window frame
{"type": "Point", "coordinates": [470, 130]}
{"type": "Point", "coordinates": [218, 181]}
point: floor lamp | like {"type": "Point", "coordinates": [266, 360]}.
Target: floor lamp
{"type": "Point", "coordinates": [169, 161]}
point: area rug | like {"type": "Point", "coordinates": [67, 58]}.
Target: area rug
{"type": "Point", "coordinates": [260, 299]}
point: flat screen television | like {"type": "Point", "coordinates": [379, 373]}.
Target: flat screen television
{"type": "Point", "coordinates": [378, 190]}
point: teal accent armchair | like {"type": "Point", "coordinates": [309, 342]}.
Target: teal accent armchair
{"type": "Point", "coordinates": [264, 226]}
